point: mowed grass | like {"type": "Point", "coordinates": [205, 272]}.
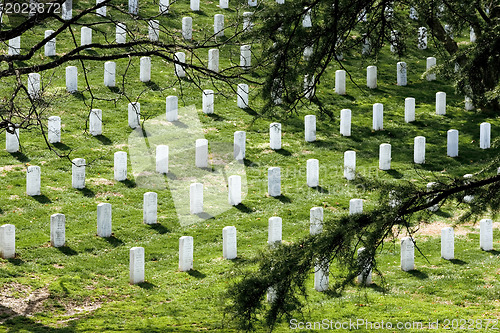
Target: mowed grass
{"type": "Point", "coordinates": [84, 286]}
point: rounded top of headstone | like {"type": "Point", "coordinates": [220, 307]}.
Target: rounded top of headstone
{"type": "Point", "coordinates": [78, 161]}
{"type": "Point", "coordinates": [275, 219]}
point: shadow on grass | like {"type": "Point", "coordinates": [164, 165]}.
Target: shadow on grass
{"type": "Point", "coordinates": [249, 163]}
{"type": "Point", "coordinates": [129, 183]}
{"type": "Point", "coordinates": [159, 228]}
{"type": "Point", "coordinates": [442, 214]}
{"type": "Point", "coordinates": [16, 261]}
{"type": "Point", "coordinates": [321, 189]}
{"type": "Point", "coordinates": [179, 124]}
{"type": "Point", "coordinates": [204, 216]}
{"type": "Point", "coordinates": [243, 208]}
{"type": "Point", "coordinates": [20, 157]}
{"type": "Point", "coordinates": [494, 252]}
{"type": "Point", "coordinates": [196, 274]}
{"type": "Point", "coordinates": [78, 95]}
{"type": "Point", "coordinates": [115, 90]}
{"type": "Point", "coordinates": [66, 250]}
{"type": "Point", "coordinates": [112, 240]}
{"type": "Point", "coordinates": [104, 139]}
{"type": "Point", "coordinates": [418, 274]}
{"type": "Point", "coordinates": [146, 285]}
{"type": "Point", "coordinates": [458, 262]}
{"type": "Point", "coordinates": [283, 152]}
{"type": "Point", "coordinates": [60, 145]}
{"type": "Point", "coordinates": [395, 174]}
{"type": "Point", "coordinates": [87, 192]}
{"type": "Point", "coordinates": [152, 85]}
{"type": "Point", "coordinates": [283, 198]}
{"type": "Point", "coordinates": [43, 199]}
{"type": "Point", "coordinates": [215, 117]}
{"type": "Point", "coordinates": [171, 175]}
{"type": "Point", "coordinates": [250, 111]}
{"type": "Point", "coordinates": [376, 287]}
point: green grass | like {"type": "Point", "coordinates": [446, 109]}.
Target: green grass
{"type": "Point", "coordinates": [84, 286]}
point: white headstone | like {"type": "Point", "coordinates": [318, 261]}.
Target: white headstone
{"type": "Point", "coordinates": [394, 41]}
{"type": "Point", "coordinates": [310, 128]}
{"type": "Point", "coordinates": [120, 170]}
{"type": "Point", "coordinates": [133, 7]}
{"type": "Point", "coordinates": [350, 165]}
{"type": "Point", "coordinates": [145, 69]}
{"type": "Point", "coordinates": [247, 20]}
{"type": "Point", "coordinates": [187, 28]}
{"type": "Point", "coordinates": [218, 25]}
{"type": "Point", "coordinates": [321, 276]}
{"type": "Point", "coordinates": [378, 117]}
{"type": "Point", "coordinates": [486, 234]}
{"type": "Point", "coordinates": [431, 62]}
{"type": "Point", "coordinates": [196, 198]}
{"type": "Point", "coordinates": [223, 4]}
{"type": "Point", "coordinates": [171, 103]}
{"type": "Point", "coordinates": [306, 20]}
{"type": "Point", "coordinates": [136, 265]}
{"type": "Point", "coordinates": [14, 46]}
{"type": "Point", "coordinates": [67, 10]}
{"type": "Point", "coordinates": [407, 254]}
{"type": "Point", "coordinates": [57, 230]}
{"type": "Point", "coordinates": [85, 36]}
{"type": "Point", "coordinates": [164, 6]}
{"type": "Point", "coordinates": [468, 198]}
{"type": "Point", "coordinates": [312, 173]}
{"type": "Point", "coordinates": [384, 162]}
{"type": "Point", "coordinates": [340, 82]}
{"type": "Point", "coordinates": [441, 103]}
{"type": "Point", "coordinates": [345, 122]}
{"type": "Point", "coordinates": [12, 140]}
{"type": "Point", "coordinates": [33, 181]}
{"type": "Point", "coordinates": [401, 74]}
{"type": "Point", "coordinates": [162, 159]}
{"type": "Point", "coordinates": [101, 11]}
{"type": "Point", "coordinates": [447, 243]}
{"type": "Point", "coordinates": [252, 3]}
{"type": "Point", "coordinates": [484, 135]}
{"type": "Point", "coordinates": [50, 46]}
{"type": "Point", "coordinates": [469, 105]}
{"type": "Point", "coordinates": [195, 5]}
{"type": "Point", "coordinates": [472, 36]}
{"type": "Point", "coordinates": [202, 153]}
{"type": "Point", "coordinates": [213, 60]}
{"type": "Point", "coordinates": [78, 173]}
{"type": "Point", "coordinates": [355, 206]}
{"type": "Point", "coordinates": [121, 33]}
{"type": "Point", "coordinates": [409, 109]}
{"type": "Point", "coordinates": [229, 243]}
{"type": "Point", "coordinates": [109, 73]}
{"type": "Point", "coordinates": [71, 79]}
{"type": "Point", "coordinates": [180, 57]}
{"type": "Point", "coordinates": [104, 220]}
{"type": "Point", "coordinates": [274, 230]}
{"type": "Point", "coordinates": [419, 150]}
{"type": "Point", "coordinates": [239, 146]}
{"type": "Point", "coordinates": [309, 89]}
{"type": "Point", "coordinates": [208, 101]}
{"type": "Point", "coordinates": [366, 45]}
{"type": "Point", "coordinates": [153, 30]}
{"type": "Point", "coordinates": [371, 77]}
{"type": "Point", "coordinates": [276, 91]}
{"type": "Point", "coordinates": [242, 97]}
{"type": "Point", "coordinates": [413, 13]}
{"type": "Point", "coordinates": [274, 181]}
{"type": "Point", "coordinates": [234, 190]}
{"type": "Point", "coordinates": [7, 241]}
{"type": "Point", "coordinates": [452, 143]}
{"type": "Point", "coordinates": [308, 52]}
{"type": "Point", "coordinates": [185, 253]}
{"type": "Point", "coordinates": [150, 208]}
{"type": "Point", "coordinates": [34, 89]}
{"type": "Point", "coordinates": [275, 136]}
{"type": "Point", "coordinates": [366, 274]}
{"type": "Point", "coordinates": [430, 187]}
{"type": "Point", "coordinates": [95, 122]}
{"type": "Point", "coordinates": [245, 56]}
{"type": "Point", "coordinates": [134, 114]}
{"type": "Point", "coordinates": [316, 220]}
{"type": "Point", "coordinates": [54, 129]}
{"type": "Point", "coordinates": [422, 38]}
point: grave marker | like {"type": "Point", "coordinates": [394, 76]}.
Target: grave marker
{"type": "Point", "coordinates": [153, 30]}
{"type": "Point", "coordinates": [162, 159]}
{"type": "Point", "coordinates": [345, 122]}
{"type": "Point", "coordinates": [441, 103]}
{"type": "Point", "coordinates": [95, 122]}
{"type": "Point", "coordinates": [12, 140]}
{"type": "Point", "coordinates": [213, 60]}
{"type": "Point", "coordinates": [340, 82]}
{"type": "Point", "coordinates": [422, 38]}
{"type": "Point", "coordinates": [50, 46]}
{"type": "Point", "coordinates": [274, 181]}
{"type": "Point", "coordinates": [431, 62]}
{"type": "Point", "coordinates": [419, 150]}
{"type": "Point", "coordinates": [350, 165]}
{"type": "Point", "coordinates": [14, 46]}
{"type": "Point", "coordinates": [187, 28]}
{"type": "Point", "coordinates": [121, 33]}
{"type": "Point", "coordinates": [133, 7]}
{"type": "Point", "coordinates": [239, 145]}
{"type": "Point", "coordinates": [245, 56]}
{"type": "Point", "coordinates": [234, 190]}
{"type": "Point", "coordinates": [171, 108]}
{"type": "Point", "coordinates": [229, 243]}
{"type": "Point", "coordinates": [34, 89]}
{"type": "Point", "coordinates": [194, 5]}
{"type": "Point", "coordinates": [208, 101]}
{"type": "Point", "coordinates": [484, 135]}
{"type": "Point", "coordinates": [202, 153]}
{"type": "Point", "coordinates": [33, 181]}
{"type": "Point", "coordinates": [355, 206]}
{"type": "Point", "coordinates": [409, 109]}
{"type": "Point", "coordinates": [134, 114]}
{"type": "Point", "coordinates": [196, 198]}
{"type": "Point", "coordinates": [150, 208]}
{"type": "Point", "coordinates": [71, 79]}
{"type": "Point", "coordinates": [54, 129]}
{"type": "Point", "coordinates": [78, 173]}
{"type": "Point", "coordinates": [275, 136]}
{"type": "Point", "coordinates": [120, 163]}
{"type": "Point", "coordinates": [85, 36]}
{"type": "Point", "coordinates": [310, 128]}
{"type": "Point", "coordinates": [136, 265]}
{"type": "Point", "coordinates": [366, 273]}
{"type": "Point", "coordinates": [145, 69]}
{"type": "Point", "coordinates": [378, 117]}
{"type": "Point", "coordinates": [180, 58]}
{"type": "Point", "coordinates": [486, 234]}
{"type": "Point", "coordinates": [57, 230]}
{"type": "Point", "coordinates": [384, 156]}
{"type": "Point", "coordinates": [242, 92]}
{"type": "Point", "coordinates": [315, 220]}
{"type": "Point", "coordinates": [407, 254]}
{"type": "Point", "coordinates": [109, 74]}
{"type": "Point", "coordinates": [164, 6]}
{"type": "Point", "coordinates": [452, 143]}
{"type": "Point", "coordinates": [274, 231]}
{"type": "Point", "coordinates": [218, 25]}
{"type": "Point", "coordinates": [312, 173]}
{"type": "Point", "coordinates": [185, 253]}
{"type": "Point", "coordinates": [67, 10]}
{"type": "Point", "coordinates": [401, 74]}
{"type": "Point", "coordinates": [104, 220]}
{"type": "Point", "coordinates": [7, 241]}
{"type": "Point", "coordinates": [371, 77]}
{"type": "Point", "coordinates": [447, 243]}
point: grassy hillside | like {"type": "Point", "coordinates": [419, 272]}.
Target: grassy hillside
{"type": "Point", "coordinates": [84, 285]}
